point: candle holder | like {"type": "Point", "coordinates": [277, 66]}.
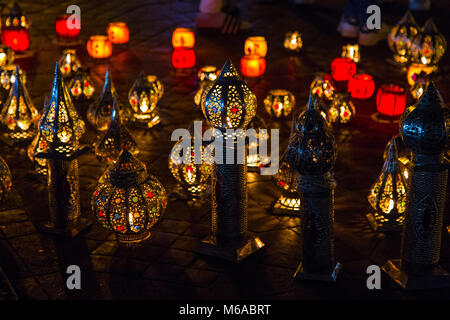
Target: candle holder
{"type": "Point", "coordinates": [424, 129]}
{"type": "Point", "coordinates": [400, 38]}
{"type": "Point", "coordinates": [69, 63]}
{"type": "Point", "coordinates": [322, 88]}
{"type": "Point", "coordinates": [255, 160]}
{"type": "Point", "coordinates": [183, 38]}
{"type": "Point", "coordinates": [253, 65]}
{"type": "Point", "coordinates": [15, 32]}
{"type": "Point", "coordinates": [80, 85]}
{"type": "Point", "coordinates": [361, 86]}
{"type": "Point", "coordinates": [255, 45]}
{"type": "Point", "coordinates": [279, 103]}
{"type": "Point", "coordinates": [118, 33]}
{"type": "Point", "coordinates": [36, 146]}
{"type": "Point", "coordinates": [289, 201]}
{"type": "Point", "coordinates": [391, 102]}
{"type": "Point", "coordinates": [293, 41]}
{"type": "Point", "coordinates": [66, 37]}
{"type": "Point", "coordinates": [341, 109]}
{"type": "Point", "coordinates": [99, 47]}
{"type": "Point", "coordinates": [343, 69]}
{"type": "Point", "coordinates": [351, 51]}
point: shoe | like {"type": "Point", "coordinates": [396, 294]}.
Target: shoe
{"type": "Point", "coordinates": [419, 5]}
{"type": "Point", "coordinates": [347, 30]}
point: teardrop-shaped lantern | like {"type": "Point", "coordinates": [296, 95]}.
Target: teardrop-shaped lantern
{"type": "Point", "coordinates": [401, 36]}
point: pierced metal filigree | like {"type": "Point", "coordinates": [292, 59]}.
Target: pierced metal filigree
{"type": "Point", "coordinates": [80, 85]}
{"type": "Point", "coordinates": [428, 46]}
{"type": "Point", "coordinates": [279, 103]}
{"type": "Point", "coordinates": [341, 109]}
{"type": "Point", "coordinates": [322, 88]}
{"type": "Point", "coordinates": [293, 41]}
{"type": "Point", "coordinates": [401, 36]}
{"type": "Point", "coordinates": [287, 180]}
{"type": "Point", "coordinates": [5, 180]}
{"type": "Point", "coordinates": [69, 63]}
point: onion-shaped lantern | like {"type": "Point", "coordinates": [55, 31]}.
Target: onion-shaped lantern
{"type": "Point", "coordinates": [38, 145]}
{"type": "Point", "coordinates": [341, 109]}
{"type": "Point", "coordinates": [206, 76]}
{"type": "Point", "coordinates": [404, 155]}
{"type": "Point", "coordinates": [115, 139]}
{"type": "Point", "coordinates": [401, 36]}
{"type": "Point", "coordinates": [256, 160]}
{"type": "Point", "coordinates": [127, 200]}
{"type": "Point", "coordinates": [293, 41]}
{"type": "Point", "coordinates": [279, 103]}
{"type": "Point", "coordinates": [287, 180]}
{"type": "Point", "coordinates": [321, 87]}
{"type": "Point", "coordinates": [80, 85]}
{"type": "Point", "coordinates": [69, 63]}
{"type": "Point", "coordinates": [387, 195]}
{"type": "Point", "coordinates": [5, 180]}
{"type": "Point", "coordinates": [143, 97]}
{"type": "Point", "coordinates": [429, 46]}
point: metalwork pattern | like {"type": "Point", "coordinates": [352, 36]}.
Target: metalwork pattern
{"type": "Point", "coordinates": [206, 77]}
{"type": "Point", "coordinates": [80, 85]}
{"type": "Point", "coordinates": [322, 88]}
{"type": "Point", "coordinates": [341, 109]}
{"type": "Point", "coordinates": [256, 159]}
{"type": "Point", "coordinates": [37, 145]}
{"type": "Point", "coordinates": [428, 46]}
{"type": "Point", "coordinates": [279, 103]}
{"type": "Point", "coordinates": [287, 180]}
{"type": "Point", "coordinates": [69, 63]}
{"type": "Point", "coordinates": [5, 179]}
{"type": "Point", "coordinates": [401, 36]}
{"type": "Point", "coordinates": [293, 41]}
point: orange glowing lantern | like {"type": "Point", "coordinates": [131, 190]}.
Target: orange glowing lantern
{"type": "Point", "coordinates": [183, 38]}
{"type": "Point", "coordinates": [342, 69]}
{"type": "Point", "coordinates": [118, 32]}
{"type": "Point", "coordinates": [361, 86]}
{"type": "Point", "coordinates": [99, 47]}
{"type": "Point", "coordinates": [255, 45]}
{"type": "Point", "coordinates": [253, 65]}
{"type": "Point", "coordinates": [183, 58]}
{"type": "Point", "coordinates": [391, 100]}
{"type": "Point", "coordinates": [62, 29]}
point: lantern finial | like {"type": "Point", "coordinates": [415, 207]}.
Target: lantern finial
{"type": "Point", "coordinates": [228, 70]}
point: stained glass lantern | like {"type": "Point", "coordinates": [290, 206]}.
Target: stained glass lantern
{"type": "Point", "coordinates": [401, 36]}
{"type": "Point", "coordinates": [391, 100]}
{"type": "Point", "coordinates": [127, 200]}
{"type": "Point", "coordinates": [388, 194]}
{"type": "Point", "coordinates": [429, 46]}
{"type": "Point", "coordinates": [321, 87]}
{"type": "Point", "coordinates": [118, 32]}
{"type": "Point", "coordinates": [255, 46]}
{"type": "Point", "coordinates": [99, 112]}
{"type": "Point", "coordinates": [253, 66]}
{"type": "Point", "coordinates": [361, 86]}
{"type": "Point", "coordinates": [416, 70]}
{"type": "Point", "coordinates": [19, 116]}
{"type": "Point", "coordinates": [80, 85]}
{"type": "Point", "coordinates": [255, 159]}
{"type": "Point", "coordinates": [341, 109]}
{"type": "Point", "coordinates": [63, 32]}
{"type": "Point", "coordinates": [99, 47]}
{"type": "Point", "coordinates": [287, 180]}
{"type": "Point", "coordinates": [183, 38]}
{"type": "Point", "coordinates": [342, 69]}
{"type": "Point", "coordinates": [183, 58]}
{"type": "Point", "coordinates": [206, 76]}
{"type": "Point", "coordinates": [351, 51]}
{"type": "Point", "coordinates": [15, 29]}
{"type": "Point", "coordinates": [5, 180]}
{"type": "Point", "coordinates": [143, 97]}
{"type": "Point", "coordinates": [293, 41]}
{"type": "Point", "coordinates": [279, 103]}
{"type": "Point", "coordinates": [6, 56]}
{"type": "Point", "coordinates": [69, 63]}
{"type": "Point", "coordinates": [38, 145]}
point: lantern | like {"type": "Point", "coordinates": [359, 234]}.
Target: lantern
{"type": "Point", "coordinates": [361, 86]}
{"type": "Point", "coordinates": [388, 194]}
{"type": "Point", "coordinates": [391, 100]}
{"type": "Point", "coordinates": [69, 63]}
{"type": "Point", "coordinates": [287, 180]}
{"type": "Point", "coordinates": [118, 32]}
{"type": "Point", "coordinates": [183, 58]}
{"type": "Point", "coordinates": [419, 87]}
{"type": "Point", "coordinates": [99, 47]}
{"type": "Point", "coordinates": [293, 41]}
{"type": "Point", "coordinates": [206, 76]}
{"type": "Point", "coordinates": [255, 46]}
{"type": "Point", "coordinates": [15, 30]}
{"type": "Point", "coordinates": [6, 56]}
{"type": "Point", "coordinates": [7, 78]}
{"type": "Point", "coordinates": [63, 32]}
{"type": "Point", "coordinates": [80, 85]}
{"type": "Point", "coordinates": [253, 66]}
{"type": "Point", "coordinates": [38, 145]}
{"type": "Point", "coordinates": [342, 69]}
{"type": "Point", "coordinates": [19, 115]}
{"type": "Point", "coordinates": [256, 160]}
{"type": "Point", "coordinates": [341, 109]}
{"type": "Point", "coordinates": [429, 46]}
{"type": "Point", "coordinates": [5, 180]}
{"type": "Point", "coordinates": [321, 87]}
{"type": "Point", "coordinates": [351, 51]}
{"type": "Point", "coordinates": [114, 140]}
{"type": "Point", "coordinates": [400, 37]}
{"type": "Point", "coordinates": [127, 200]}
{"type": "Point", "coordinates": [99, 112]}
{"type": "Point", "coordinates": [183, 38]}
{"type": "Point", "coordinates": [279, 103]}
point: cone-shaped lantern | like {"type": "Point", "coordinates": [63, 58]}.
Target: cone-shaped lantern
{"type": "Point", "coordinates": [401, 36]}
{"type": "Point", "coordinates": [287, 180]}
{"type": "Point", "coordinates": [38, 145]}
{"type": "Point", "coordinates": [19, 116]}
{"type": "Point", "coordinates": [429, 46]}
{"type": "Point", "coordinates": [115, 139]}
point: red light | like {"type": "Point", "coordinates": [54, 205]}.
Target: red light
{"type": "Point", "coordinates": [391, 100]}
{"type": "Point", "coordinates": [62, 31]}
{"type": "Point", "coordinates": [342, 69]}
{"type": "Point", "coordinates": [361, 86]}
{"type": "Point", "coordinates": [16, 39]}
{"type": "Point", "coordinates": [183, 58]}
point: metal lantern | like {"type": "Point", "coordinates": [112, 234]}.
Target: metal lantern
{"type": "Point", "coordinates": [287, 180]}
{"type": "Point", "coordinates": [115, 139]}
{"type": "Point", "coordinates": [69, 63]}
{"type": "Point", "coordinates": [324, 89]}
{"type": "Point", "coordinates": [5, 180]}
{"type": "Point", "coordinates": [18, 115]}
{"type": "Point", "coordinates": [229, 104]}
{"type": "Point", "coordinates": [206, 76]}
{"type": "Point", "coordinates": [341, 109]}
{"type": "Point", "coordinates": [419, 87]}
{"type": "Point", "coordinates": [255, 160]}
{"type": "Point", "coordinates": [143, 96]}
{"type": "Point", "coordinates": [387, 195]}
{"type": "Point", "coordinates": [424, 129]}
{"type": "Point", "coordinates": [7, 76]}
{"type": "Point", "coordinates": [38, 145]}
{"type": "Point", "coordinates": [401, 36]}
{"type": "Point", "coordinates": [351, 51]}
{"type": "Point", "coordinates": [15, 27]}
{"type": "Point", "coordinates": [80, 85]}
{"type": "Point", "coordinates": [6, 56]}
{"type": "Point", "coordinates": [127, 200]}
{"type": "Point", "coordinates": [429, 46]}
{"type": "Point", "coordinates": [279, 103]}
{"type": "Point", "coordinates": [99, 112]}
{"type": "Point", "coordinates": [293, 41]}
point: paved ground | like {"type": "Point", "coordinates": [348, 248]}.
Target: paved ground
{"type": "Point", "coordinates": [166, 265]}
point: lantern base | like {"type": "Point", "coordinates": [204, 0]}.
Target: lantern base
{"type": "Point", "coordinates": [380, 227]}
{"type": "Point", "coordinates": [280, 207]}
{"type": "Point", "coordinates": [21, 139]}
{"type": "Point", "coordinates": [330, 276]}
{"type": "Point", "coordinates": [130, 239]}
{"type": "Point", "coordinates": [73, 229]}
{"type": "Point", "coordinates": [199, 192]}
{"type": "Point", "coordinates": [67, 43]}
{"type": "Point", "coordinates": [234, 253]}
{"type": "Point", "coordinates": [377, 117]}
{"type": "Point", "coordinates": [436, 278]}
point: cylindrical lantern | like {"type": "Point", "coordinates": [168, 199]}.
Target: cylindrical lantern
{"type": "Point", "coordinates": [428, 46]}
{"type": "Point", "coordinates": [80, 85]}
{"type": "Point", "coordinates": [361, 86]}
{"type": "Point", "coordinates": [15, 29]}
{"type": "Point", "coordinates": [321, 87]}
{"type": "Point", "coordinates": [99, 47]}
{"type": "Point", "coordinates": [5, 180]}
{"type": "Point", "coordinates": [255, 46]}
{"type": "Point", "coordinates": [183, 58]}
{"type": "Point", "coordinates": [341, 109]}
{"type": "Point", "coordinates": [418, 69]}
{"type": "Point", "coordinates": [342, 69]}
{"type": "Point", "coordinates": [206, 76]}
{"type": "Point", "coordinates": [287, 180]}
{"type": "Point", "coordinates": [400, 37]}
{"type": "Point", "coordinates": [279, 103]}
{"type": "Point", "coordinates": [118, 32]}
{"type": "Point", "coordinates": [253, 66]}
{"type": "Point", "coordinates": [183, 38]}
{"type": "Point", "coordinates": [351, 51]}
{"type": "Point", "coordinates": [63, 31]}
{"type": "Point", "coordinates": [293, 41]}
{"type": "Point", "coordinates": [391, 100]}
{"type": "Point", "coordinates": [69, 63]}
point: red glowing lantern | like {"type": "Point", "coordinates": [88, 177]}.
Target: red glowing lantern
{"type": "Point", "coordinates": [253, 65]}
{"type": "Point", "coordinates": [361, 86]}
{"type": "Point", "coordinates": [16, 39]}
{"type": "Point", "coordinates": [391, 100]}
{"type": "Point", "coordinates": [183, 58]}
{"type": "Point", "coordinates": [63, 31]}
{"type": "Point", "coordinates": [118, 32]}
{"type": "Point", "coordinates": [342, 69]}
{"type": "Point", "coordinates": [99, 47]}
{"type": "Point", "coordinates": [183, 38]}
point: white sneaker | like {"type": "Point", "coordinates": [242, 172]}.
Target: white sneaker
{"type": "Point", "coordinates": [347, 30]}
{"type": "Point", "coordinates": [419, 5]}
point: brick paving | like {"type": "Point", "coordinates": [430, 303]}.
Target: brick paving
{"type": "Point", "coordinates": [166, 265]}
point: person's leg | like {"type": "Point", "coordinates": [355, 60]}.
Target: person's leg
{"type": "Point", "coordinates": [348, 26]}
{"type": "Point", "coordinates": [368, 37]}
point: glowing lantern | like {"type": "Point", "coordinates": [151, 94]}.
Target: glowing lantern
{"type": "Point", "coordinates": [6, 56]}
{"type": "Point", "coordinates": [36, 146]}
{"type": "Point", "coordinates": [400, 37]}
{"type": "Point", "coordinates": [127, 200]}
{"type": "Point", "coordinates": [256, 160]}
{"type": "Point", "coordinates": [361, 86]}
{"type": "Point", "coordinates": [15, 30]}
{"type": "Point", "coordinates": [279, 103]}
{"type": "Point", "coordinates": [80, 85]}
{"type": "Point", "coordinates": [418, 69]}
{"type": "Point", "coordinates": [255, 46]}
{"type": "Point", "coordinates": [342, 69]}
{"type": "Point", "coordinates": [429, 46]}
{"type": "Point", "coordinates": [69, 63]}
{"type": "Point", "coordinates": [293, 41]}
{"type": "Point", "coordinates": [341, 109]}
{"type": "Point", "coordinates": [183, 58]}
{"type": "Point", "coordinates": [287, 180]}
{"type": "Point", "coordinates": [419, 87]}
{"type": "Point", "coordinates": [388, 194]}
{"type": "Point", "coordinates": [118, 32]}
{"type": "Point", "coordinates": [63, 31]}
{"type": "Point", "coordinates": [253, 66]}
{"type": "Point", "coordinates": [5, 180]}
{"type": "Point", "coordinates": [391, 100]}
{"type": "Point", "coordinates": [7, 78]}
{"type": "Point", "coordinates": [322, 88]}
{"type": "Point", "coordinates": [206, 76]}
{"type": "Point", "coordinates": [351, 51]}
{"type": "Point", "coordinates": [183, 38]}
{"type": "Point", "coordinates": [404, 155]}
{"type": "Point", "coordinates": [99, 47]}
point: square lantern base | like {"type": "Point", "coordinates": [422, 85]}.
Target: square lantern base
{"type": "Point", "coordinates": [282, 210]}
{"type": "Point", "coordinates": [436, 278]}
{"type": "Point", "coordinates": [248, 246]}
{"type": "Point", "coordinates": [330, 276]}
{"type": "Point", "coordinates": [379, 227]}
{"type": "Point", "coordinates": [72, 230]}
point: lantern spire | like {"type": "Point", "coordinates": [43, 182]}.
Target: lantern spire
{"type": "Point", "coordinates": [229, 71]}
{"type": "Point", "coordinates": [430, 26]}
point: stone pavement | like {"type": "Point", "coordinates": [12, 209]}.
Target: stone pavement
{"type": "Point", "coordinates": [166, 265]}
